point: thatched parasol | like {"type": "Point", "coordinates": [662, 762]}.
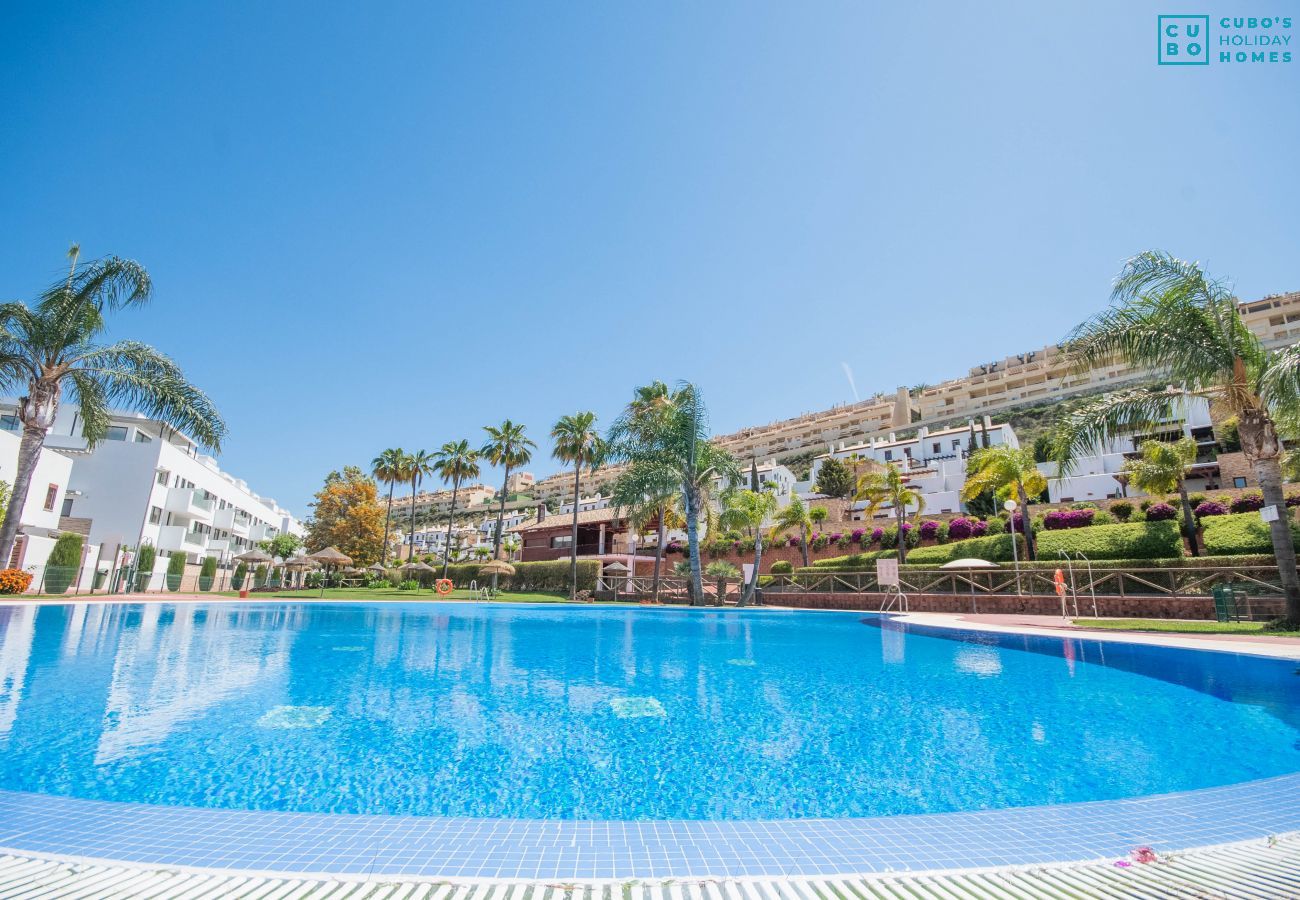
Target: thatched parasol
{"type": "Point", "coordinates": [496, 567]}
{"type": "Point", "coordinates": [300, 562]}
{"type": "Point", "coordinates": [330, 556]}
{"type": "Point", "coordinates": [254, 556]}
{"type": "Point", "coordinates": [418, 567]}
{"type": "Point", "coordinates": [377, 568]}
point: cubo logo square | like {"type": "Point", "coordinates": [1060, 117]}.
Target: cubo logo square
{"type": "Point", "coordinates": [1183, 40]}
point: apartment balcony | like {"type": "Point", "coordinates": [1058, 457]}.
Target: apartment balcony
{"type": "Point", "coordinates": [231, 519]}
{"type": "Point", "coordinates": [219, 545]}
{"type": "Point", "coordinates": [180, 538]}
{"type": "Point", "coordinates": [189, 503]}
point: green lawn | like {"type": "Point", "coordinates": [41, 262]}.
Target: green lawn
{"type": "Point", "coordinates": [394, 594]}
{"type": "Point", "coordinates": [1184, 627]}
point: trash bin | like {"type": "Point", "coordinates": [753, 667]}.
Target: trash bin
{"type": "Point", "coordinates": [1225, 603]}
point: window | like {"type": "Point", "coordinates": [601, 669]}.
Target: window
{"type": "Point", "coordinates": [162, 478]}
{"type": "Point", "coordinates": [1238, 482]}
{"type": "Point", "coordinates": [562, 540]}
{"type": "Point", "coordinates": [51, 494]}
{"type": "Point", "coordinates": [9, 423]}
{"type": "Point", "coordinates": [115, 433]}
{"type": "Point", "coordinates": [155, 515]}
{"type": "Point", "coordinates": [67, 507]}
{"type": "Point", "coordinates": [142, 438]}
{"type": "Point", "coordinates": [889, 454]}
{"type": "Point", "coordinates": [956, 445]}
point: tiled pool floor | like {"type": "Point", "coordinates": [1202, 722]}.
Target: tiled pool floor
{"type": "Point", "coordinates": [519, 849]}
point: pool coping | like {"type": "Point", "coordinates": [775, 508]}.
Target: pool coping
{"type": "Point", "coordinates": [415, 846]}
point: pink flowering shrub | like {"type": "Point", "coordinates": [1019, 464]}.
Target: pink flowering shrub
{"type": "Point", "coordinates": [1246, 503]}
{"type": "Point", "coordinates": [1060, 519]}
{"type": "Point", "coordinates": [1161, 512]}
{"type": "Point", "coordinates": [929, 529]}
{"type": "Point", "coordinates": [1210, 508]}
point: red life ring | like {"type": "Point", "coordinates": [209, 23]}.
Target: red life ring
{"type": "Point", "coordinates": [1059, 579]}
{"type": "Point", "coordinates": [443, 586]}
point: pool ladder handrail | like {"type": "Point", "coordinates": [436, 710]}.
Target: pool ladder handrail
{"type": "Point", "coordinates": [1074, 587]}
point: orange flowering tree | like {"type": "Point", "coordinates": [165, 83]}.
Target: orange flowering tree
{"type": "Point", "coordinates": [347, 514]}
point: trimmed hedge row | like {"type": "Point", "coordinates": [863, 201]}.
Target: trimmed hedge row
{"type": "Point", "coordinates": [1240, 533]}
{"type": "Point", "coordinates": [1138, 540]}
{"type": "Point", "coordinates": [995, 548]}
{"type": "Point", "coordinates": [552, 575]}
{"type": "Point", "coordinates": [854, 562]}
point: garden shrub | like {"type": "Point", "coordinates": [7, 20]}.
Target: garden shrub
{"type": "Point", "coordinates": [1060, 519]}
{"type": "Point", "coordinates": [781, 567]}
{"type": "Point", "coordinates": [241, 572]}
{"type": "Point", "coordinates": [175, 571]}
{"type": "Point", "coordinates": [995, 548]}
{"type": "Point", "coordinates": [1103, 518]}
{"type": "Point", "coordinates": [144, 563]}
{"type": "Point", "coordinates": [1247, 503]}
{"type": "Point", "coordinates": [64, 560]}
{"type": "Point", "coordinates": [1241, 533]}
{"type": "Point", "coordinates": [1141, 540]}
{"type": "Point", "coordinates": [854, 562]}
{"type": "Point", "coordinates": [929, 530]}
{"type": "Point", "coordinates": [1207, 508]}
{"type": "Point", "coordinates": [409, 584]}
{"type": "Point", "coordinates": [1195, 500]}
{"type": "Point", "coordinates": [1160, 512]}
{"type": "Point", "coordinates": [14, 581]}
{"type": "Point", "coordinates": [858, 535]}
{"type": "Point", "coordinates": [207, 571]}
{"type": "Point", "coordinates": [960, 528]}
{"type": "Point", "coordinates": [1121, 509]}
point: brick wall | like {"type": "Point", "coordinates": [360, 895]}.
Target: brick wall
{"type": "Point", "coordinates": [1149, 607]}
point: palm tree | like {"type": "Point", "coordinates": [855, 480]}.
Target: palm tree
{"type": "Point", "coordinates": [388, 468]}
{"type": "Point", "coordinates": [1161, 469]}
{"type": "Point", "coordinates": [1007, 470]}
{"type": "Point", "coordinates": [797, 516]}
{"type": "Point", "coordinates": [578, 443]}
{"type": "Point", "coordinates": [418, 466]}
{"type": "Point", "coordinates": [721, 571]}
{"type": "Point", "coordinates": [749, 510]}
{"type": "Point", "coordinates": [656, 503]}
{"type": "Point", "coordinates": [1170, 315]}
{"type": "Point", "coordinates": [507, 446]}
{"type": "Point", "coordinates": [51, 347]}
{"type": "Point", "coordinates": [454, 461]}
{"type": "Point", "coordinates": [668, 442]}
{"type": "Point", "coordinates": [887, 486]}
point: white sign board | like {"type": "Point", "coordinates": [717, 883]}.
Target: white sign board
{"type": "Point", "coordinates": [747, 572]}
{"type": "Point", "coordinates": [1268, 513]}
{"type": "Point", "coordinates": [887, 572]}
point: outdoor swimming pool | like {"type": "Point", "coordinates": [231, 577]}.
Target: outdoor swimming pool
{"type": "Point", "coordinates": [603, 713]}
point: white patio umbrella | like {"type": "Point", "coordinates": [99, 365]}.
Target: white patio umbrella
{"type": "Point", "coordinates": [971, 563]}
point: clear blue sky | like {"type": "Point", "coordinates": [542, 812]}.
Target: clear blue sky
{"type": "Point", "coordinates": [376, 225]}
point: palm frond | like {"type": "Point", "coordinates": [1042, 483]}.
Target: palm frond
{"type": "Point", "coordinates": [1089, 426]}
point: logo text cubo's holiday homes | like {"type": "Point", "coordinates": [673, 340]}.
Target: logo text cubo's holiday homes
{"type": "Point", "coordinates": [1195, 40]}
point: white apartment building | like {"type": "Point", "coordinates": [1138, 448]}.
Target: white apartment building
{"type": "Point", "coordinates": [1098, 476]}
{"type": "Point", "coordinates": [148, 484]}
{"type": "Point", "coordinates": [42, 520]}
{"type": "Point", "coordinates": [934, 462]}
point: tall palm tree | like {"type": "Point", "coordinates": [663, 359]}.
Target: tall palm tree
{"type": "Point", "coordinates": [797, 516]}
{"type": "Point", "coordinates": [1170, 315]}
{"type": "Point", "coordinates": [1007, 470]}
{"type": "Point", "coordinates": [749, 510]}
{"type": "Point", "coordinates": [667, 440]}
{"type": "Point", "coordinates": [419, 465]}
{"type": "Point", "coordinates": [887, 486]}
{"type": "Point", "coordinates": [578, 443]}
{"type": "Point", "coordinates": [51, 348]}
{"type": "Point", "coordinates": [388, 468]}
{"type": "Point", "coordinates": [1162, 468]}
{"type": "Point", "coordinates": [454, 461]}
{"type": "Point", "coordinates": [507, 446]}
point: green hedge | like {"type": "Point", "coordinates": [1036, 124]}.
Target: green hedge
{"type": "Point", "coordinates": [529, 576]}
{"type": "Point", "coordinates": [854, 562]}
{"type": "Point", "coordinates": [1240, 533]}
{"type": "Point", "coordinates": [995, 548]}
{"type": "Point", "coordinates": [1138, 540]}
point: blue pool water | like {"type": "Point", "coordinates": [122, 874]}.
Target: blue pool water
{"type": "Point", "coordinates": [611, 713]}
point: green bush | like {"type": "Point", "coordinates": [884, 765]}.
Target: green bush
{"type": "Point", "coordinates": [241, 572]}
{"type": "Point", "coordinates": [781, 567]}
{"type": "Point", "coordinates": [854, 562]}
{"type": "Point", "coordinates": [552, 576]}
{"type": "Point", "coordinates": [1239, 533]}
{"type": "Point", "coordinates": [175, 570]}
{"type": "Point", "coordinates": [207, 572]}
{"type": "Point", "coordinates": [409, 584]}
{"type": "Point", "coordinates": [995, 548]}
{"type": "Point", "coordinates": [1145, 540]}
{"type": "Point", "coordinates": [1121, 509]}
{"type": "Point", "coordinates": [144, 563]}
{"type": "Point", "coordinates": [63, 563]}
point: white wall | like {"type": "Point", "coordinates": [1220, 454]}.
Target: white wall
{"type": "Point", "coordinates": [51, 468]}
